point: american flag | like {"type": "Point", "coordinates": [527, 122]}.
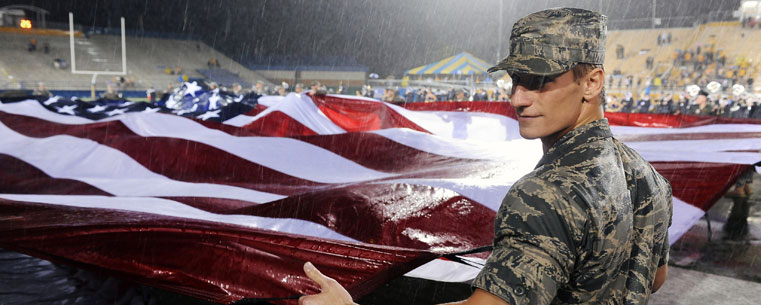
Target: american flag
{"type": "Point", "coordinates": [227, 201]}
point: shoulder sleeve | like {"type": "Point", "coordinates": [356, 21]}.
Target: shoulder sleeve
{"type": "Point", "coordinates": [533, 244]}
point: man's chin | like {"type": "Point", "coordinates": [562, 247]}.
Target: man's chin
{"type": "Point", "coordinates": [528, 135]}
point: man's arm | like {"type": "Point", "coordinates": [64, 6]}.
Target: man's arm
{"type": "Point", "coordinates": [660, 277]}
{"type": "Point", "coordinates": [480, 297]}
{"type": "Point", "coordinates": [332, 293]}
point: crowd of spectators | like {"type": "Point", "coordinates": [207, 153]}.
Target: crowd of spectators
{"type": "Point", "coordinates": [702, 104]}
{"type": "Point", "coordinates": [428, 94]}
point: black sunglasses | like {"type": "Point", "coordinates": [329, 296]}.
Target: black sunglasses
{"type": "Point", "coordinates": [531, 81]}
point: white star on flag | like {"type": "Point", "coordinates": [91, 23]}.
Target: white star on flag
{"type": "Point", "coordinates": [151, 110]}
{"type": "Point", "coordinates": [214, 101]}
{"type": "Point", "coordinates": [97, 108]}
{"type": "Point", "coordinates": [209, 115]}
{"type": "Point", "coordinates": [192, 88]}
{"type": "Point", "coordinates": [69, 109]}
{"type": "Point", "coordinates": [127, 103]}
{"type": "Point", "coordinates": [116, 112]}
{"type": "Point", "coordinates": [52, 100]}
{"type": "Point", "coordinates": [192, 109]}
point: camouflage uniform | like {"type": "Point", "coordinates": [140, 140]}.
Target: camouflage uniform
{"type": "Point", "coordinates": [590, 223]}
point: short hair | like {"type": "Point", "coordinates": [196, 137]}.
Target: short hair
{"type": "Point", "coordinates": [581, 70]}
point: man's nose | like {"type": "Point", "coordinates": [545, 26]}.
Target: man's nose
{"type": "Point", "coordinates": [521, 97]}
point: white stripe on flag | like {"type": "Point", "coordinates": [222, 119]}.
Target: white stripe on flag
{"type": "Point", "coordinates": [463, 125]}
{"type": "Point", "coordinates": [286, 155]}
{"type": "Point", "coordinates": [34, 109]}
{"type": "Point", "coordinates": [172, 208]}
{"type": "Point", "coordinates": [684, 217]}
{"type": "Point", "coordinates": [109, 169]}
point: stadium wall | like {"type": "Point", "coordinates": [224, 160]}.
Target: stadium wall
{"type": "Point", "coordinates": [333, 78]}
{"type": "Point", "coordinates": [328, 78]}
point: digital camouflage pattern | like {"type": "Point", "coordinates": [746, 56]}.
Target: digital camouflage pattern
{"type": "Point", "coordinates": [589, 225]}
{"type": "Point", "coordinates": [554, 40]}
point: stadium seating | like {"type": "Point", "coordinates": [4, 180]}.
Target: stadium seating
{"type": "Point", "coordinates": [147, 61]}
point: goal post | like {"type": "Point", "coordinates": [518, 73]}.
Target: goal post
{"type": "Point", "coordinates": [93, 72]}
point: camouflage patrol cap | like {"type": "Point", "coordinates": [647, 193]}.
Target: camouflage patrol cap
{"type": "Point", "coordinates": [553, 41]}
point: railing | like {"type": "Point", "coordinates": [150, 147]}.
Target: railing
{"type": "Point", "coordinates": [140, 33]}
{"type": "Point", "coordinates": [671, 22]}
{"type": "Point", "coordinates": [305, 63]}
{"type": "Point", "coordinates": [440, 84]}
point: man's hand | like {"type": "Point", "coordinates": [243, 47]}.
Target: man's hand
{"type": "Point", "coordinates": [331, 292]}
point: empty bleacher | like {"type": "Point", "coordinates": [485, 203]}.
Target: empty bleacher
{"type": "Point", "coordinates": [148, 61]}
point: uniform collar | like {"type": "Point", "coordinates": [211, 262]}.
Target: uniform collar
{"type": "Point", "coordinates": [583, 134]}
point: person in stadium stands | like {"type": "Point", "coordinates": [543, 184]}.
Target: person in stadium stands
{"type": "Point", "coordinates": [281, 91]}
{"type": "Point", "coordinates": [110, 93]}
{"type": "Point", "coordinates": [429, 96]}
{"type": "Point", "coordinates": [169, 90]}
{"type": "Point", "coordinates": [683, 106]}
{"type": "Point", "coordinates": [614, 105]}
{"type": "Point", "coordinates": [390, 95]}
{"type": "Point", "coordinates": [737, 222]}
{"type": "Point", "coordinates": [702, 105]}
{"type": "Point", "coordinates": [502, 96]}
{"type": "Point", "coordinates": [237, 89]}
{"type": "Point", "coordinates": [410, 95]}
{"type": "Point", "coordinates": [628, 103]}
{"type": "Point", "coordinates": [315, 87]}
{"type": "Point", "coordinates": [480, 95]}
{"type": "Point", "coordinates": [150, 94]}
{"type": "Point", "coordinates": [420, 94]}
{"type": "Point", "coordinates": [298, 88]}
{"type": "Point", "coordinates": [259, 88]}
{"type": "Point", "coordinates": [41, 90]}
{"type": "Point", "coordinates": [755, 110]}
{"type": "Point", "coordinates": [590, 224]}
{"type": "Point", "coordinates": [460, 95]}
{"type": "Point", "coordinates": [644, 104]}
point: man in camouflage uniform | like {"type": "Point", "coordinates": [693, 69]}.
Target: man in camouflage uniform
{"type": "Point", "coordinates": [590, 223]}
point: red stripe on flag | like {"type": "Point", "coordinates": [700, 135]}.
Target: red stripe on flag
{"type": "Point", "coordinates": [217, 262]}
{"type": "Point", "coordinates": [362, 115]}
{"type": "Point", "coordinates": [19, 177]}
{"type": "Point", "coordinates": [689, 136]}
{"type": "Point", "coordinates": [278, 124]}
{"type": "Point", "coordinates": [178, 159]}
{"type": "Point", "coordinates": [401, 215]}
{"type": "Point", "coordinates": [668, 120]}
{"type": "Point", "coordinates": [700, 184]}
{"type": "Point", "coordinates": [380, 153]}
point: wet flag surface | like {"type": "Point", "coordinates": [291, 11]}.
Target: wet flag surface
{"type": "Point", "coordinates": [227, 200]}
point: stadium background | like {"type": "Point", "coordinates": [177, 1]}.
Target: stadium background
{"type": "Point", "coordinates": [304, 41]}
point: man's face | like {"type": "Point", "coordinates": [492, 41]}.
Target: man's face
{"type": "Point", "coordinates": [701, 100]}
{"type": "Point", "coordinates": [546, 106]}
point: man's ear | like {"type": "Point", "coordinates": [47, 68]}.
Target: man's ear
{"type": "Point", "coordinates": [593, 84]}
